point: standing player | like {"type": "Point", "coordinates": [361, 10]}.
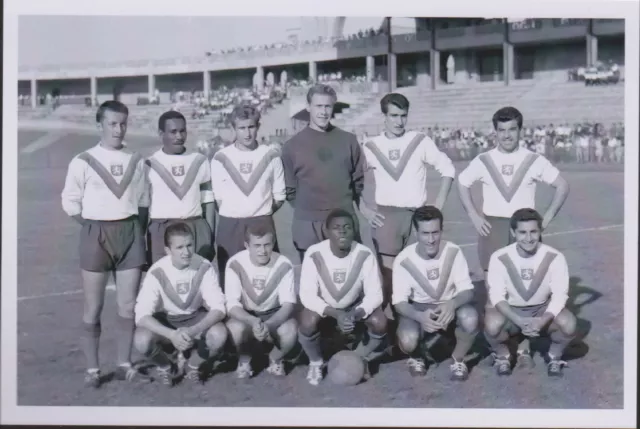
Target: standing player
{"type": "Point", "coordinates": [432, 289]}
{"type": "Point", "coordinates": [261, 300]}
{"type": "Point", "coordinates": [248, 185]}
{"type": "Point", "coordinates": [528, 289]}
{"type": "Point", "coordinates": [509, 175]}
{"type": "Point", "coordinates": [180, 189]}
{"type": "Point", "coordinates": [398, 160]}
{"type": "Point", "coordinates": [340, 283]}
{"type": "Point", "coordinates": [180, 304]}
{"type": "Point", "coordinates": [105, 192]}
{"type": "Point", "coordinates": [324, 170]}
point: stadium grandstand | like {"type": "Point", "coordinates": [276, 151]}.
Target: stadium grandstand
{"type": "Point", "coordinates": [563, 74]}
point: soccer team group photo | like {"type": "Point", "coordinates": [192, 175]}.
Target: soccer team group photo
{"type": "Point", "coordinates": [418, 223]}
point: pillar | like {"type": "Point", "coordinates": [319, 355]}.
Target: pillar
{"type": "Point", "coordinates": [260, 78]}
{"type": "Point", "coordinates": [422, 71]}
{"type": "Point", "coordinates": [392, 74]}
{"type": "Point", "coordinates": [592, 49]}
{"type": "Point", "coordinates": [206, 83]}
{"type": "Point", "coordinates": [508, 60]}
{"type": "Point", "coordinates": [94, 91]}
{"type": "Point", "coordinates": [371, 68]}
{"type": "Point", "coordinates": [34, 93]}
{"type": "Point", "coordinates": [313, 71]}
{"type": "Point", "coordinates": [435, 68]}
{"type": "Point", "coordinates": [151, 86]}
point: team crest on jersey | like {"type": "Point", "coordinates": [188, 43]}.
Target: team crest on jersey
{"type": "Point", "coordinates": [394, 154]}
{"type": "Point", "coordinates": [183, 287]}
{"type": "Point", "coordinates": [433, 274]}
{"type": "Point", "coordinates": [507, 170]}
{"type": "Point", "coordinates": [259, 282]}
{"type": "Point", "coordinates": [246, 167]}
{"type": "Point", "coordinates": [526, 273]}
{"type": "Point", "coordinates": [177, 170]}
{"type": "Point", "coordinates": [339, 276]}
{"type": "Point", "coordinates": [117, 170]}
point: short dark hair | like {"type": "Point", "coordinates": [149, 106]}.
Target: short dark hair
{"type": "Point", "coordinates": [398, 100]}
{"type": "Point", "coordinates": [113, 106]}
{"type": "Point", "coordinates": [321, 90]}
{"type": "Point", "coordinates": [258, 229]}
{"type": "Point", "coordinates": [176, 229]}
{"type": "Point", "coordinates": [425, 214]}
{"type": "Point", "coordinates": [525, 215]}
{"type": "Point", "coordinates": [170, 114]}
{"type": "Point", "coordinates": [507, 114]}
{"type": "Point", "coordinates": [337, 213]}
{"type": "Point", "coordinates": [244, 112]}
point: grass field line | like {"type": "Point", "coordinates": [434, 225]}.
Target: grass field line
{"type": "Point", "coordinates": [111, 286]}
{"type": "Point", "coordinates": [42, 142]}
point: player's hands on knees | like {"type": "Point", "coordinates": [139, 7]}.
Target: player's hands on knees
{"type": "Point", "coordinates": [181, 340]}
{"type": "Point", "coordinates": [346, 322]}
{"type": "Point", "coordinates": [446, 312]}
{"type": "Point", "coordinates": [481, 225]}
{"type": "Point", "coordinates": [260, 331]}
{"type": "Point", "coordinates": [526, 324]}
{"type": "Point", "coordinates": [375, 219]}
{"type": "Point", "coordinates": [536, 325]}
{"type": "Point", "coordinates": [429, 321]}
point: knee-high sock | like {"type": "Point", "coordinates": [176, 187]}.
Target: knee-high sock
{"type": "Point", "coordinates": [311, 346]}
{"type": "Point", "coordinates": [126, 329]}
{"type": "Point", "coordinates": [371, 349]}
{"type": "Point", "coordinates": [159, 357]}
{"type": "Point", "coordinates": [499, 344]}
{"type": "Point", "coordinates": [90, 339]}
{"type": "Point", "coordinates": [559, 342]}
{"type": "Point", "coordinates": [464, 342]}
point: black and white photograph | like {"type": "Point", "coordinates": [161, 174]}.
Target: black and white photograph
{"type": "Point", "coordinates": [336, 213]}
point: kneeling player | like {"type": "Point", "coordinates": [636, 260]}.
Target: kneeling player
{"type": "Point", "coordinates": [340, 280]}
{"type": "Point", "coordinates": [180, 304]}
{"type": "Point", "coordinates": [261, 299]}
{"type": "Point", "coordinates": [432, 289]}
{"type": "Point", "coordinates": [528, 285]}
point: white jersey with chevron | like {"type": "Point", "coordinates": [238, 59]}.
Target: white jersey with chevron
{"type": "Point", "coordinates": [174, 185]}
{"type": "Point", "coordinates": [245, 183]}
{"type": "Point", "coordinates": [103, 184]}
{"type": "Point", "coordinates": [176, 292]}
{"type": "Point", "coordinates": [529, 281]}
{"type": "Point", "coordinates": [431, 281]}
{"type": "Point", "coordinates": [256, 288]}
{"type": "Point", "coordinates": [327, 280]}
{"type": "Point", "coordinates": [399, 168]}
{"type": "Point", "coordinates": [508, 179]}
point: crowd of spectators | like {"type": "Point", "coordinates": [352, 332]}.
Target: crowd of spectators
{"type": "Point", "coordinates": [562, 143]}
{"type": "Point", "coordinates": [598, 74]}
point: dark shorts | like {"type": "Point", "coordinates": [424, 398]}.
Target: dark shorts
{"type": "Point", "coordinates": [396, 233]}
{"type": "Point", "coordinates": [264, 315]}
{"type": "Point", "coordinates": [529, 311]}
{"type": "Point", "coordinates": [306, 233]}
{"type": "Point", "coordinates": [499, 237]}
{"type": "Point", "coordinates": [181, 321]}
{"type": "Point", "coordinates": [116, 245]}
{"type": "Point", "coordinates": [230, 237]}
{"type": "Point", "coordinates": [202, 236]}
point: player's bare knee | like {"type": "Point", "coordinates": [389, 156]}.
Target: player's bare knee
{"type": "Point", "coordinates": [216, 336]}
{"type": "Point", "coordinates": [407, 339]}
{"type": "Point", "coordinates": [288, 331]}
{"type": "Point", "coordinates": [144, 341]}
{"type": "Point", "coordinates": [308, 322]}
{"type": "Point", "coordinates": [238, 330]}
{"type": "Point", "coordinates": [567, 322]}
{"type": "Point", "coordinates": [493, 323]}
{"type": "Point", "coordinates": [125, 309]}
{"type": "Point", "coordinates": [377, 323]}
{"type": "Point", "coordinates": [468, 318]}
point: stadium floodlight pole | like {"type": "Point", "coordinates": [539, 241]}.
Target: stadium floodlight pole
{"type": "Point", "coordinates": [387, 26]}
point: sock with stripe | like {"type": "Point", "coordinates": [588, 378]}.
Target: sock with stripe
{"type": "Point", "coordinates": [311, 346]}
